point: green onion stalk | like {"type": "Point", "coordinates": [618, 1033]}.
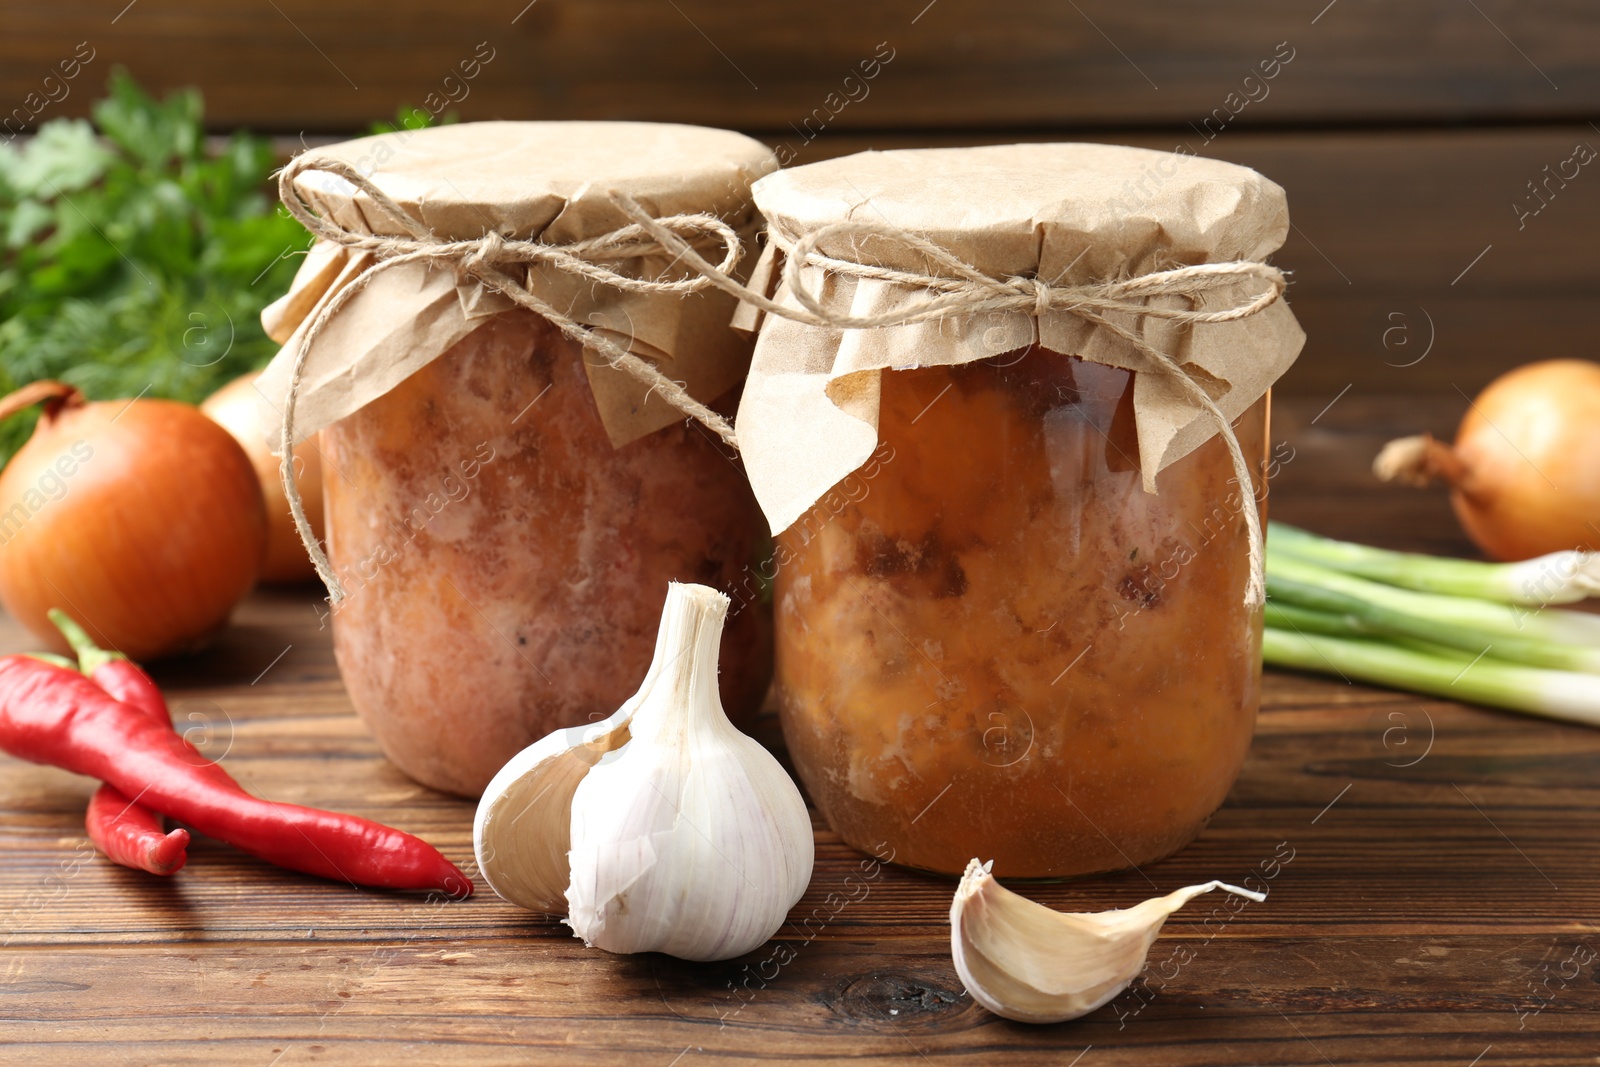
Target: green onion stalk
{"type": "Point", "coordinates": [1566, 640]}
{"type": "Point", "coordinates": [1480, 632]}
{"type": "Point", "coordinates": [1557, 578]}
{"type": "Point", "coordinates": [1570, 696]}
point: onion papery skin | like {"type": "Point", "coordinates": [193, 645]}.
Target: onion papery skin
{"type": "Point", "coordinates": [1530, 449]}
{"type": "Point", "coordinates": [141, 519]}
{"type": "Point", "coordinates": [234, 408]}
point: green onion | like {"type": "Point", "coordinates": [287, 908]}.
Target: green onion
{"type": "Point", "coordinates": [1564, 695]}
{"type": "Point", "coordinates": [1558, 578]}
{"type": "Point", "coordinates": [1283, 616]}
{"type": "Point", "coordinates": [1292, 617]}
{"type": "Point", "coordinates": [1409, 629]}
{"type": "Point", "coordinates": [1548, 637]}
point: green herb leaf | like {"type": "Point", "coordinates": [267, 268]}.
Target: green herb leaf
{"type": "Point", "coordinates": [135, 261]}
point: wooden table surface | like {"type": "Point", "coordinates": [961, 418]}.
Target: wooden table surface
{"type": "Point", "coordinates": [1435, 893]}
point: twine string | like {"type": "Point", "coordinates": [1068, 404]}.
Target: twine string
{"type": "Point", "coordinates": [953, 287]}
{"type": "Point", "coordinates": [961, 289]}
{"type": "Point", "coordinates": [486, 259]}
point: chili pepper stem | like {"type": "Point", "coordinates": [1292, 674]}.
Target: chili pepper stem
{"type": "Point", "coordinates": [52, 659]}
{"type": "Point", "coordinates": [91, 656]}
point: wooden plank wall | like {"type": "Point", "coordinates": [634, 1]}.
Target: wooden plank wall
{"type": "Point", "coordinates": [1432, 149]}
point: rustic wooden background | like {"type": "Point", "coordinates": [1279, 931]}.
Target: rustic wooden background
{"type": "Point", "coordinates": [1407, 134]}
{"type": "Point", "coordinates": [1426, 910]}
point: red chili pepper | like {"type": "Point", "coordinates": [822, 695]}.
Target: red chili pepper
{"type": "Point", "coordinates": [112, 671]}
{"type": "Point", "coordinates": [56, 716]}
{"type": "Point", "coordinates": [126, 831]}
{"type": "Point", "coordinates": [132, 835]}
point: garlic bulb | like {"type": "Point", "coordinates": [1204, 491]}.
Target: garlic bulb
{"type": "Point", "coordinates": [661, 829]}
{"type": "Point", "coordinates": [1023, 961]}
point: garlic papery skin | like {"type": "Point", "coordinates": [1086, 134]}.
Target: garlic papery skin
{"type": "Point", "coordinates": [690, 839]}
{"type": "Point", "coordinates": [521, 832]}
{"type": "Point", "coordinates": [1027, 962]}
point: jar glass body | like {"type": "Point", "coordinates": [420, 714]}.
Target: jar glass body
{"type": "Point", "coordinates": [506, 565]}
{"type": "Point", "coordinates": [993, 643]}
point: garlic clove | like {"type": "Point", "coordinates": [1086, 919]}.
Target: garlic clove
{"type": "Point", "coordinates": [690, 839]}
{"type": "Point", "coordinates": [521, 832]}
{"type": "Point", "coordinates": [1027, 962]}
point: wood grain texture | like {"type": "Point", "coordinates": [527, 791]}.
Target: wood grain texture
{"type": "Point", "coordinates": [1411, 240]}
{"type": "Point", "coordinates": [1432, 875]}
{"type": "Point", "coordinates": [334, 65]}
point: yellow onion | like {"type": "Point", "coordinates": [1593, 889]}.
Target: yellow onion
{"type": "Point", "coordinates": [141, 519]}
{"type": "Point", "coordinates": [234, 408]}
{"type": "Point", "coordinates": [1524, 472]}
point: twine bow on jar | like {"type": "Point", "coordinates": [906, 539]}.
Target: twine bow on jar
{"type": "Point", "coordinates": [958, 288]}
{"type": "Point", "coordinates": [489, 259]}
{"type": "Point", "coordinates": [962, 289]}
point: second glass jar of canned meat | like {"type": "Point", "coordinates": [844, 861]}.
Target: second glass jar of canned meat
{"type": "Point", "coordinates": [992, 640]}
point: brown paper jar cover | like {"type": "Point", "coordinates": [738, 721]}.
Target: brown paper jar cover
{"type": "Point", "coordinates": [546, 181]}
{"type": "Point", "coordinates": [1068, 213]}
{"type": "Point", "coordinates": [503, 510]}
{"type": "Point", "coordinates": [1008, 611]}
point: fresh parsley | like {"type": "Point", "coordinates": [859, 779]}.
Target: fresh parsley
{"type": "Point", "coordinates": [134, 258]}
